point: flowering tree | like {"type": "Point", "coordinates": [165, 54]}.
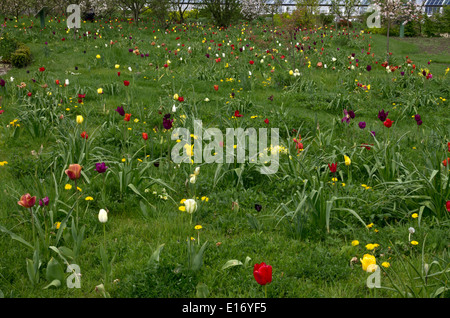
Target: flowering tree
{"type": "Point", "coordinates": [398, 11]}
{"type": "Point", "coordinates": [251, 9]}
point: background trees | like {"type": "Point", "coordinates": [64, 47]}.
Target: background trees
{"type": "Point", "coordinates": [222, 11]}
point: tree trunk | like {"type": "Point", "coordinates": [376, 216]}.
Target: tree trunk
{"type": "Point", "coordinates": [387, 35]}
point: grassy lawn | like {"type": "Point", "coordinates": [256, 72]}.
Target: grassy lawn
{"type": "Point", "coordinates": [308, 223]}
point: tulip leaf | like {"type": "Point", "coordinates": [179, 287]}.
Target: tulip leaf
{"type": "Point", "coordinates": [15, 237]}
{"type": "Point", "coordinates": [247, 261]}
{"type": "Point", "coordinates": [54, 272]}
{"type": "Point", "coordinates": [231, 263]}
{"type": "Point", "coordinates": [132, 187]}
{"type": "Point", "coordinates": [202, 290]}
{"type": "Point", "coordinates": [154, 259]}
{"type": "Point", "coordinates": [56, 283]}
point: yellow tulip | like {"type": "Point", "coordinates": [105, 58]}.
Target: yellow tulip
{"type": "Point", "coordinates": [80, 119]}
{"type": "Point", "coordinates": [100, 90]}
{"type": "Point", "coordinates": [367, 260]}
{"type": "Point", "coordinates": [347, 161]}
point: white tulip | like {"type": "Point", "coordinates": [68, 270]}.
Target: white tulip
{"type": "Point", "coordinates": [193, 178]}
{"type": "Point", "coordinates": [67, 82]}
{"type": "Point", "coordinates": [103, 216]}
{"type": "Point", "coordinates": [191, 206]}
{"type": "Point", "coordinates": [197, 171]}
{"type": "Point", "coordinates": [174, 108]}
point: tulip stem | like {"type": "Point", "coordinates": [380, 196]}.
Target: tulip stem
{"type": "Point", "coordinates": [265, 289]}
{"type": "Point", "coordinates": [32, 225]}
{"type": "Point", "coordinates": [104, 234]}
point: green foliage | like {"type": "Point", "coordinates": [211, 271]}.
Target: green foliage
{"type": "Point", "coordinates": [8, 46]}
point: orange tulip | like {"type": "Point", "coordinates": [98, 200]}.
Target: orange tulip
{"type": "Point", "coordinates": [27, 201]}
{"type": "Point", "coordinates": [74, 171]}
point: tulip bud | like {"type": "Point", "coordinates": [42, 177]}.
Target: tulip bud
{"type": "Point", "coordinates": [103, 216]}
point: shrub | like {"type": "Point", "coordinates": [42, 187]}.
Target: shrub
{"type": "Point", "coordinates": [7, 47]}
{"type": "Point", "coordinates": [410, 29]}
{"type": "Point", "coordinates": [21, 57]}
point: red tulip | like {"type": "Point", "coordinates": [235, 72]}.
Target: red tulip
{"type": "Point", "coordinates": [252, 62]}
{"type": "Point", "coordinates": [29, 94]}
{"type": "Point", "coordinates": [166, 66]}
{"type": "Point", "coordinates": [447, 205]}
{"type": "Point", "coordinates": [262, 273]}
{"type": "Point", "coordinates": [446, 161]}
{"type": "Point", "coordinates": [266, 121]}
{"type": "Point", "coordinates": [41, 69]}
{"type": "Point", "coordinates": [127, 117]}
{"type": "Point", "coordinates": [144, 136]}
{"type": "Point", "coordinates": [118, 73]}
{"type": "Point", "coordinates": [333, 167]}
{"type": "Point", "coordinates": [126, 83]}
{"type": "Point", "coordinates": [27, 201]}
{"type": "Point", "coordinates": [74, 171]}
{"type": "Point", "coordinates": [84, 135]}
{"type": "Point", "coordinates": [216, 87]}
{"type": "Point", "coordinates": [388, 123]}
{"type": "Point", "coordinates": [57, 82]}
{"type": "Point", "coordinates": [448, 145]}
{"type": "Point", "coordinates": [236, 114]}
{"type": "Point", "coordinates": [181, 99]}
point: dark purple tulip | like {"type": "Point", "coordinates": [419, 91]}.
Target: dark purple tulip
{"type": "Point", "coordinates": [372, 133]}
{"type": "Point", "coordinates": [167, 123]}
{"type": "Point", "coordinates": [207, 55]}
{"type": "Point", "coordinates": [417, 117]}
{"type": "Point", "coordinates": [167, 116]}
{"type": "Point", "coordinates": [351, 113]}
{"type": "Point", "coordinates": [424, 73]}
{"type": "Point", "coordinates": [120, 110]}
{"type": "Point", "coordinates": [44, 201]}
{"type": "Point", "coordinates": [403, 73]}
{"type": "Point", "coordinates": [100, 167]}
{"type": "Point", "coordinates": [258, 207]}
{"type": "Point", "coordinates": [130, 50]}
{"type": "Point", "coordinates": [419, 122]}
{"type": "Point", "coordinates": [353, 54]}
{"type": "Point", "coordinates": [368, 68]}
{"type": "Point", "coordinates": [362, 124]}
{"type": "Point", "coordinates": [382, 115]}
{"type": "Point", "coordinates": [2, 82]}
